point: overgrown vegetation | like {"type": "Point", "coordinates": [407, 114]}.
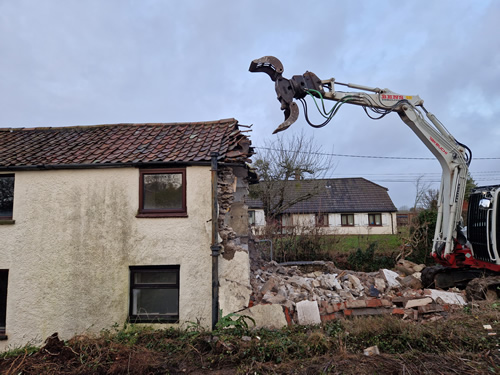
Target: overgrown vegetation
{"type": "Point", "coordinates": [417, 243]}
{"type": "Point", "coordinates": [458, 343]}
{"type": "Point", "coordinates": [360, 253]}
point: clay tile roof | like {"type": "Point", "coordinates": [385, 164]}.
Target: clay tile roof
{"type": "Point", "coordinates": [123, 143]}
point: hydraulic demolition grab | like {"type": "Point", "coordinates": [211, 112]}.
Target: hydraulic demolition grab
{"type": "Point", "coordinates": [451, 247]}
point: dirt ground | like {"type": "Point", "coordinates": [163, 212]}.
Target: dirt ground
{"type": "Point", "coordinates": [468, 347]}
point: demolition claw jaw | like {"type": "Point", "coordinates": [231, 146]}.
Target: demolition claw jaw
{"type": "Point", "coordinates": [273, 67]}
{"type": "Point", "coordinates": [291, 115]}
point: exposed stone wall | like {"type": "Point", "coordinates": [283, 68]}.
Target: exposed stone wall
{"type": "Point", "coordinates": [235, 234]}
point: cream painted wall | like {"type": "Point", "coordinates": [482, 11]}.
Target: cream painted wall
{"type": "Point", "coordinates": [74, 238]}
{"type": "Point", "coordinates": [360, 227]}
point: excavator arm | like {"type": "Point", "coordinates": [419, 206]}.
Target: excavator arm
{"type": "Point", "coordinates": [453, 156]}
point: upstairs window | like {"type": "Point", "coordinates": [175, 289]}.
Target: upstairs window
{"type": "Point", "coordinates": [347, 220]}
{"type": "Point", "coordinates": [6, 196]}
{"type": "Point", "coordinates": [375, 220]}
{"type": "Point", "coordinates": [321, 220]}
{"type": "Point", "coordinates": [162, 193]}
{"type": "Point", "coordinates": [154, 294]}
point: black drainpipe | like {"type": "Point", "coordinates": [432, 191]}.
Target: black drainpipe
{"type": "Point", "coordinates": [215, 247]}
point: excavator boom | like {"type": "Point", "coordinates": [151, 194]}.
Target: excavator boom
{"type": "Point", "coordinates": [453, 156]}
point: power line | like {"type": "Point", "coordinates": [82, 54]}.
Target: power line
{"type": "Point", "coordinates": [363, 156]}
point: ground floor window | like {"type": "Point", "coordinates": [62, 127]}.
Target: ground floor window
{"type": "Point", "coordinates": [321, 220]}
{"type": "Point", "coordinates": [251, 217]}
{"type": "Point", "coordinates": [4, 274]}
{"type": "Point", "coordinates": [286, 220]}
{"type": "Point", "coordinates": [375, 220]}
{"type": "Point", "coordinates": [154, 294]}
{"type": "Point", "coordinates": [347, 220]}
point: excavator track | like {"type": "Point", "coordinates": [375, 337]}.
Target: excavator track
{"type": "Point", "coordinates": [478, 284]}
{"type": "Point", "coordinates": [484, 288]}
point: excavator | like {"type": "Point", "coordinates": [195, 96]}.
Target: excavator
{"type": "Point", "coordinates": [465, 257]}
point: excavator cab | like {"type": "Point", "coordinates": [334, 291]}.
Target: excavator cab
{"type": "Point", "coordinates": [483, 223]}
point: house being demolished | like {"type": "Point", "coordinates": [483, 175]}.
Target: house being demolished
{"type": "Point", "coordinates": [106, 224]}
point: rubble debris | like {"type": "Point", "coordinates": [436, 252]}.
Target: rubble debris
{"type": "Point", "coordinates": [372, 350]}
{"type": "Point", "coordinates": [313, 294]}
{"type": "Point", "coordinates": [443, 297]}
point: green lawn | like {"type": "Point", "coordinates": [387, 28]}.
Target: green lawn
{"type": "Point", "coordinates": [386, 243]}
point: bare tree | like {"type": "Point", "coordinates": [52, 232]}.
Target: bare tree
{"type": "Point", "coordinates": [284, 159]}
{"type": "Point", "coordinates": [430, 199]}
{"type": "Point", "coordinates": [421, 189]}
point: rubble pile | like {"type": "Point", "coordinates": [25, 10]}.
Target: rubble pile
{"type": "Point", "coordinates": [313, 292]}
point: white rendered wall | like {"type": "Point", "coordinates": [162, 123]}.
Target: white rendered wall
{"type": "Point", "coordinates": [360, 227]}
{"type": "Point", "coordinates": [74, 238]}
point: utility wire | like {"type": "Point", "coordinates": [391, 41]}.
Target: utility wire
{"type": "Point", "coordinates": [363, 156]}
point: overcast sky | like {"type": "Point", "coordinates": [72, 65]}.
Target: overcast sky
{"type": "Point", "coordinates": [86, 62]}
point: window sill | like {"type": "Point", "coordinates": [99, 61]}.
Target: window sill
{"type": "Point", "coordinates": [136, 320]}
{"type": "Point", "coordinates": [3, 337]}
{"type": "Point", "coordinates": [163, 214]}
{"type": "Point", "coordinates": [7, 221]}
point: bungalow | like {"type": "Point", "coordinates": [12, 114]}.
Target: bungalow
{"type": "Point", "coordinates": [337, 206]}
{"type": "Point", "coordinates": [144, 223]}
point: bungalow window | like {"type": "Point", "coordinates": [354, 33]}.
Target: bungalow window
{"type": "Point", "coordinates": [321, 220]}
{"type": "Point", "coordinates": [347, 220]}
{"type": "Point", "coordinates": [154, 294]}
{"type": "Point", "coordinates": [6, 196]}
{"type": "Point", "coordinates": [251, 217]}
{"type": "Point", "coordinates": [162, 193]}
{"type": "Point", "coordinates": [375, 220]}
{"type": "Point", "coordinates": [4, 274]}
{"type": "Point", "coordinates": [286, 220]}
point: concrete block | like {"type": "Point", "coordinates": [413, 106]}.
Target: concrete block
{"type": "Point", "coordinates": [355, 304]}
{"type": "Point", "coordinates": [266, 316]}
{"type": "Point", "coordinates": [308, 312]}
{"type": "Point", "coordinates": [450, 298]}
{"type": "Point", "coordinates": [417, 302]}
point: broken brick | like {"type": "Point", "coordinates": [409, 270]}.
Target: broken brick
{"type": "Point", "coordinates": [373, 303]}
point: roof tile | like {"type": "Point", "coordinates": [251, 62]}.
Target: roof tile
{"type": "Point", "coordinates": [122, 143]}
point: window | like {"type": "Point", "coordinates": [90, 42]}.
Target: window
{"type": "Point", "coordinates": [251, 217]}
{"type": "Point", "coordinates": [286, 220]}
{"type": "Point", "coordinates": [6, 196]}
{"type": "Point", "coordinates": [321, 220]}
{"type": "Point", "coordinates": [4, 274]}
{"type": "Point", "coordinates": [347, 220]}
{"type": "Point", "coordinates": [375, 220]}
{"type": "Point", "coordinates": [162, 193]}
{"type": "Point", "coordinates": [154, 294]}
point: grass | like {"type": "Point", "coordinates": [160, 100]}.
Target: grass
{"type": "Point", "coordinates": [459, 344]}
{"type": "Point", "coordinates": [387, 243]}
